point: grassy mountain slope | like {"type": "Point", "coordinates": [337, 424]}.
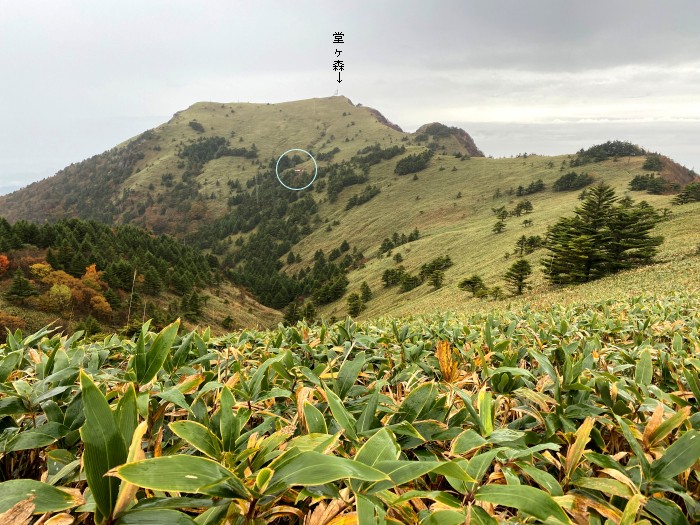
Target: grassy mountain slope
{"type": "Point", "coordinates": [149, 181]}
{"type": "Point", "coordinates": [461, 227]}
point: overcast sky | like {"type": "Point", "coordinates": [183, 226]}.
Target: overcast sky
{"type": "Point", "coordinates": [550, 77]}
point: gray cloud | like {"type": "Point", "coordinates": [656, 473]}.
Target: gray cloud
{"type": "Point", "coordinates": [81, 76]}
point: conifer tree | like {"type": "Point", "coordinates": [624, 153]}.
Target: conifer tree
{"type": "Point", "coordinates": [355, 305]}
{"type": "Point", "coordinates": [365, 292]}
{"type": "Point", "coordinates": [517, 276]}
{"type": "Point", "coordinates": [601, 238]}
{"type": "Point", "coordinates": [436, 278]}
{"type": "Point", "coordinates": [292, 315]}
{"type": "Point", "coordinates": [20, 289]}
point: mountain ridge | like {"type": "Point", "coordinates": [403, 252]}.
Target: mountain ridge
{"type": "Point", "coordinates": [207, 176]}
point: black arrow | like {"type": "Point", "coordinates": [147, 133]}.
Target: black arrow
{"type": "Point", "coordinates": [339, 81]}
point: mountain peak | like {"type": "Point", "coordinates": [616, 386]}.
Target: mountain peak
{"type": "Point", "coordinates": [444, 135]}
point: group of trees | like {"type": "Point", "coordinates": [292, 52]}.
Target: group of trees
{"type": "Point", "coordinates": [367, 194]}
{"type": "Point", "coordinates": [56, 291]}
{"type": "Point", "coordinates": [71, 245]}
{"type": "Point", "coordinates": [205, 149]}
{"type": "Point", "coordinates": [652, 184]}
{"type": "Point", "coordinates": [357, 303]}
{"type": "Point", "coordinates": [340, 176]}
{"type": "Point", "coordinates": [691, 193]}
{"type": "Point", "coordinates": [433, 272]}
{"type": "Point", "coordinates": [502, 214]}
{"type": "Point", "coordinates": [526, 245]}
{"type": "Point", "coordinates": [533, 187]}
{"type": "Point", "coordinates": [572, 181]}
{"type": "Point", "coordinates": [603, 237]}
{"type": "Point", "coordinates": [608, 150]}
{"type": "Point", "coordinates": [397, 240]}
{"type": "Point", "coordinates": [86, 189]}
{"type": "Point", "coordinates": [653, 162]}
{"type": "Point", "coordinates": [91, 269]}
{"type": "Point", "coordinates": [413, 163]}
{"type": "Point", "coordinates": [516, 278]}
{"type": "Point", "coordinates": [374, 154]}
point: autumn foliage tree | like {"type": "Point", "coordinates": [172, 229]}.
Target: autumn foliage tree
{"type": "Point", "coordinates": [4, 264]}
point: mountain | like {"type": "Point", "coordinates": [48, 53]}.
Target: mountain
{"type": "Point", "coordinates": [383, 198]}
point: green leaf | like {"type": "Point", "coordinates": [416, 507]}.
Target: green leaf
{"type": "Point", "coordinates": [543, 478]}
{"type": "Point", "coordinates": [368, 417]}
{"type": "Point", "coordinates": [480, 517]}
{"type": "Point", "coordinates": [436, 495]}
{"type": "Point", "coordinates": [38, 437]}
{"type": "Point", "coordinates": [157, 353]}
{"type": "Point", "coordinates": [140, 362]}
{"type": "Point", "coordinates": [174, 396]}
{"type": "Point", "coordinates": [314, 468]}
{"type": "Point", "coordinates": [340, 414]}
{"type": "Point", "coordinates": [643, 373]}
{"type": "Point", "coordinates": [528, 500]}
{"type": "Point", "coordinates": [667, 511]}
{"type": "Point", "coordinates": [104, 446]}
{"type": "Point", "coordinates": [199, 436]}
{"type": "Point", "coordinates": [415, 403]}
{"type": "Point", "coordinates": [485, 404]}
{"type": "Point", "coordinates": [126, 414]}
{"type": "Point", "coordinates": [8, 364]}
{"type": "Point", "coordinates": [634, 445]}
{"type": "Point", "coordinates": [155, 517]}
{"type": "Point", "coordinates": [473, 471]}
{"type": "Point", "coordinates": [381, 446]}
{"type": "Point", "coordinates": [347, 376]}
{"type": "Point", "coordinates": [227, 427]}
{"type": "Point", "coordinates": [315, 422]}
{"type": "Point", "coordinates": [179, 473]}
{"type": "Point", "coordinates": [403, 471]}
{"type": "Point", "coordinates": [677, 458]}
{"type": "Point", "coordinates": [467, 441]}
{"type": "Point", "coordinates": [665, 428]}
{"type": "Point", "coordinates": [444, 517]}
{"type": "Point", "coordinates": [47, 498]}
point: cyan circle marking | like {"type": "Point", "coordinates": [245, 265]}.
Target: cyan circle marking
{"type": "Point", "coordinates": [278, 174]}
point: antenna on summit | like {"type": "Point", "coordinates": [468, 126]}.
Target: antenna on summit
{"type": "Point", "coordinates": [336, 92]}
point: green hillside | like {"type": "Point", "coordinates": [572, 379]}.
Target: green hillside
{"type": "Point", "coordinates": [207, 176]}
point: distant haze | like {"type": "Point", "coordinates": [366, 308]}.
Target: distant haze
{"type": "Point", "coordinates": [80, 77]}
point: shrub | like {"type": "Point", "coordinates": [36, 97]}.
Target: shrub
{"type": "Point", "coordinates": [196, 126]}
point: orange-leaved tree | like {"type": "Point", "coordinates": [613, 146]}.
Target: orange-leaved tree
{"type": "Point", "coordinates": [4, 264]}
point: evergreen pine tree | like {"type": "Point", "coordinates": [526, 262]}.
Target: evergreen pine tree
{"type": "Point", "coordinates": [517, 276]}
{"type": "Point", "coordinates": [308, 311]}
{"type": "Point", "coordinates": [365, 292]}
{"type": "Point", "coordinates": [113, 299]}
{"type": "Point", "coordinates": [601, 238]}
{"type": "Point", "coordinates": [436, 278]}
{"type": "Point", "coordinates": [473, 284]}
{"type": "Point", "coordinates": [152, 283]}
{"type": "Point", "coordinates": [20, 289]}
{"type": "Point", "coordinates": [355, 305]}
{"type": "Point", "coordinates": [292, 315]}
